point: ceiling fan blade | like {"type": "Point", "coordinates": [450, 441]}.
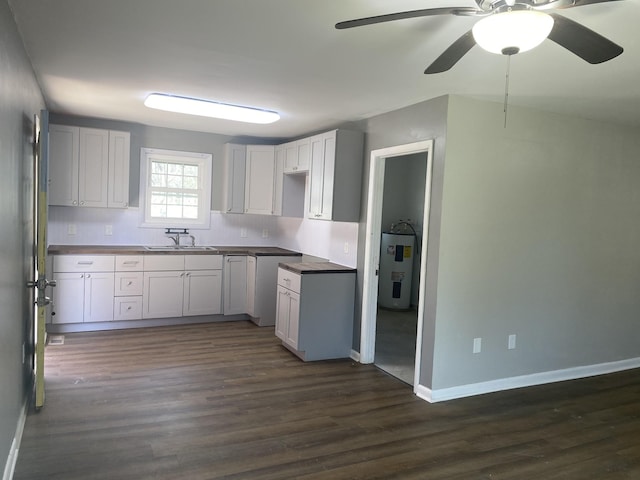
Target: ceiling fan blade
{"type": "Point", "coordinates": [580, 3]}
{"type": "Point", "coordinates": [585, 43]}
{"type": "Point", "coordinates": [427, 12]}
{"type": "Point", "coordinates": [452, 55]}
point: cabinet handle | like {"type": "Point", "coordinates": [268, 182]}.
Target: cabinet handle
{"type": "Point", "coordinates": [88, 275]}
{"type": "Point", "coordinates": [85, 262]}
{"type": "Point", "coordinates": [130, 262]}
{"type": "Point", "coordinates": [82, 203]}
{"type": "Point", "coordinates": [82, 275]}
{"type": "Point", "coordinates": [129, 283]}
{"type": "Point", "coordinates": [188, 274]}
{"type": "Point", "coordinates": [74, 203]}
{"type": "Point", "coordinates": [129, 308]}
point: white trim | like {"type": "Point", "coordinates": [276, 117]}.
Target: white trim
{"type": "Point", "coordinates": [12, 459]}
{"type": "Point", "coordinates": [521, 381]}
{"type": "Point", "coordinates": [204, 212]}
{"type": "Point", "coordinates": [355, 356]}
{"type": "Point", "coordinates": [372, 248]}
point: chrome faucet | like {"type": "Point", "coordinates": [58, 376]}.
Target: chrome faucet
{"type": "Point", "coordinates": [193, 240]}
{"type": "Point", "coordinates": [175, 238]}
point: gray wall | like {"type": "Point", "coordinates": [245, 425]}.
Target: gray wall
{"type": "Point", "coordinates": [20, 99]}
{"type": "Point", "coordinates": [539, 238]}
{"type": "Point", "coordinates": [423, 121]}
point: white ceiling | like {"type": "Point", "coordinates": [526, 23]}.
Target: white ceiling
{"type": "Point", "coordinates": [101, 58]}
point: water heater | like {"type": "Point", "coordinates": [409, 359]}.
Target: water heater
{"type": "Point", "coordinates": [396, 269]}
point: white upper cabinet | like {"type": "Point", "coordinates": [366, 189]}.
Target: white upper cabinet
{"type": "Point", "coordinates": [88, 167]}
{"type": "Point", "coordinates": [260, 184]}
{"type": "Point", "coordinates": [297, 156]}
{"type": "Point", "coordinates": [234, 178]}
{"type": "Point", "coordinates": [93, 167]}
{"type": "Point", "coordinates": [118, 184]}
{"type": "Point", "coordinates": [335, 176]}
{"type": "Point", "coordinates": [63, 165]}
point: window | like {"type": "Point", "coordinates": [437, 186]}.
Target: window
{"type": "Point", "coordinates": [175, 187]}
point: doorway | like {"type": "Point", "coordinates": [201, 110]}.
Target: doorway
{"type": "Point", "coordinates": [375, 227]}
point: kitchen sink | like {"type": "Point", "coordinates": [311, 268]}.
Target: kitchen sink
{"type": "Point", "coordinates": [181, 248]}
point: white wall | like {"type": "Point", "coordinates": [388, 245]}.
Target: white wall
{"type": "Point", "coordinates": [539, 238]}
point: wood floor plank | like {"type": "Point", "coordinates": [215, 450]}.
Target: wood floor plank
{"type": "Point", "coordinates": [226, 401]}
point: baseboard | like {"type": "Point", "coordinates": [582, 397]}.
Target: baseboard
{"type": "Point", "coordinates": [355, 356]}
{"type": "Point", "coordinates": [521, 381]}
{"type": "Point", "coordinates": [12, 459]}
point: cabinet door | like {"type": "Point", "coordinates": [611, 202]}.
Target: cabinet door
{"type": "Point", "coordinates": [282, 313]}
{"type": "Point", "coordinates": [303, 153]}
{"type": "Point", "coordinates": [98, 297]}
{"type": "Point", "coordinates": [251, 286]}
{"type": "Point", "coordinates": [68, 298]}
{"type": "Point", "coordinates": [323, 151]}
{"type": "Point", "coordinates": [63, 165]}
{"type": "Point", "coordinates": [294, 319]}
{"type": "Point", "coordinates": [202, 292]}
{"type": "Point", "coordinates": [234, 178]}
{"type": "Point", "coordinates": [93, 170]}
{"type": "Point", "coordinates": [162, 294]}
{"type": "Point", "coordinates": [235, 284]}
{"type": "Point", "coordinates": [260, 180]}
{"type": "Point", "coordinates": [118, 185]}
{"type": "Point", "coordinates": [290, 152]}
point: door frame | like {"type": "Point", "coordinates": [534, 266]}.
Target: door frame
{"type": "Point", "coordinates": [372, 247]}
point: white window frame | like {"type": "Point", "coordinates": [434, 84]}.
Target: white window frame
{"type": "Point", "coordinates": [203, 160]}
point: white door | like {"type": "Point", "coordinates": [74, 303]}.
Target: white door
{"type": "Point", "coordinates": [98, 296]}
{"type": "Point", "coordinates": [293, 331]}
{"type": "Point", "coordinates": [251, 286]}
{"type": "Point", "coordinates": [162, 294]}
{"type": "Point", "coordinates": [63, 165]}
{"type": "Point", "coordinates": [260, 176]}
{"type": "Point", "coordinates": [93, 170]}
{"type": "Point", "coordinates": [282, 313]}
{"type": "Point", "coordinates": [202, 292]}
{"type": "Point", "coordinates": [68, 298]}
{"type": "Point", "coordinates": [118, 184]}
{"type": "Point", "coordinates": [235, 284]}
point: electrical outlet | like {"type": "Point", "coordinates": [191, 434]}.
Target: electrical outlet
{"type": "Point", "coordinates": [108, 229]}
{"type": "Point", "coordinates": [477, 345]}
{"type": "Point", "coordinates": [243, 233]}
{"type": "Point", "coordinates": [511, 342]}
{"type": "Point", "coordinates": [71, 229]}
{"type": "Point", "coordinates": [265, 233]}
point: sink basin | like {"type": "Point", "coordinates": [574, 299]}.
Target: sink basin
{"type": "Point", "coordinates": [175, 248]}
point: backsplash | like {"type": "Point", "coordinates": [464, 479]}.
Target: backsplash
{"type": "Point", "coordinates": [335, 241]}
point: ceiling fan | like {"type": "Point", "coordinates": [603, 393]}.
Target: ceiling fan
{"type": "Point", "coordinates": [509, 27]}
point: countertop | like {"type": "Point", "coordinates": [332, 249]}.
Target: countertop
{"type": "Point", "coordinates": [316, 267]}
{"type": "Point", "coordinates": [141, 250]}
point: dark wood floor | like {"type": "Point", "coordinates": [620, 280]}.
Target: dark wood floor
{"type": "Point", "coordinates": [226, 401]}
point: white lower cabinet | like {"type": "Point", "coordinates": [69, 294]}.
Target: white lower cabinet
{"type": "Point", "coordinates": [235, 284]}
{"type": "Point", "coordinates": [84, 290]}
{"type": "Point", "coordinates": [315, 311]}
{"type": "Point", "coordinates": [162, 295]}
{"type": "Point", "coordinates": [288, 316]}
{"type": "Point", "coordinates": [202, 290]}
{"type": "Point", "coordinates": [182, 285]}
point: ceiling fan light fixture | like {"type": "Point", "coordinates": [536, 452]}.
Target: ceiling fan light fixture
{"type": "Point", "coordinates": [207, 108]}
{"type": "Point", "coordinates": [512, 31]}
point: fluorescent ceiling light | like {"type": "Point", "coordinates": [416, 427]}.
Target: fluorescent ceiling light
{"type": "Point", "coordinates": [205, 108]}
{"type": "Point", "coordinates": [512, 31]}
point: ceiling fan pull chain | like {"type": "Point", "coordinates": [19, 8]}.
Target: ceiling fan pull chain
{"type": "Point", "coordinates": [506, 90]}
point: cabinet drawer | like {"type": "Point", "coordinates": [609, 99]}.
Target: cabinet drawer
{"type": "Point", "coordinates": [203, 262]}
{"type": "Point", "coordinates": [127, 308]}
{"type": "Point", "coordinates": [158, 263]}
{"type": "Point", "coordinates": [289, 280]}
{"type": "Point", "coordinates": [128, 284]}
{"type": "Point", "coordinates": [128, 263]}
{"type": "Point", "coordinates": [83, 263]}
